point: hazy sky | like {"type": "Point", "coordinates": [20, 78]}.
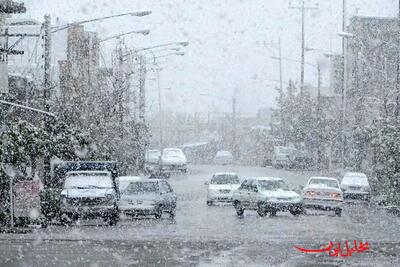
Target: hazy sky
{"type": "Point", "coordinates": [229, 48]}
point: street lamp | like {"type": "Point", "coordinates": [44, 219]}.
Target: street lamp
{"type": "Point", "coordinates": [139, 13]}
{"type": "Point", "coordinates": [144, 32]}
{"type": "Point", "coordinates": [157, 69]}
{"type": "Point", "coordinates": [180, 43]}
{"type": "Point", "coordinates": [345, 36]}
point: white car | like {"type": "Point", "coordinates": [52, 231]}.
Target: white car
{"type": "Point", "coordinates": [221, 187]}
{"type": "Point", "coordinates": [223, 157]}
{"type": "Point", "coordinates": [266, 195]}
{"type": "Point", "coordinates": [323, 193]}
{"type": "Point", "coordinates": [89, 194]}
{"type": "Point", "coordinates": [172, 160]}
{"type": "Point", "coordinates": [124, 181]}
{"type": "Point", "coordinates": [355, 186]}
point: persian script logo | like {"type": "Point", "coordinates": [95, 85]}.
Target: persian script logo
{"type": "Point", "coordinates": [338, 250]}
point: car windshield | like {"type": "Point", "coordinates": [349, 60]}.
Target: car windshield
{"type": "Point", "coordinates": [323, 183]}
{"type": "Point", "coordinates": [88, 181]}
{"type": "Point", "coordinates": [172, 153]}
{"type": "Point", "coordinates": [225, 179]}
{"type": "Point", "coordinates": [271, 185]}
{"type": "Point", "coordinates": [136, 188]}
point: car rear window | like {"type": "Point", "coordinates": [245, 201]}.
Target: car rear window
{"type": "Point", "coordinates": [323, 182]}
{"type": "Point", "coordinates": [141, 188]}
{"type": "Point", "coordinates": [225, 179]}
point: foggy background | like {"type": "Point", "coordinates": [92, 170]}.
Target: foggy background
{"type": "Point", "coordinates": [230, 43]}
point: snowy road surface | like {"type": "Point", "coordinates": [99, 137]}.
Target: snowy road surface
{"type": "Point", "coordinates": [211, 236]}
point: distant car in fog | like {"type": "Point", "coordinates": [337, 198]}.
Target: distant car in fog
{"type": "Point", "coordinates": [323, 193]}
{"type": "Point", "coordinates": [152, 158]}
{"type": "Point", "coordinates": [266, 195]}
{"type": "Point", "coordinates": [283, 156]}
{"type": "Point", "coordinates": [173, 160]}
{"type": "Point", "coordinates": [148, 197]}
{"type": "Point", "coordinates": [221, 187]}
{"type": "Point", "coordinates": [223, 157]}
{"type": "Point", "coordinates": [290, 157]}
{"type": "Point", "coordinates": [355, 186]}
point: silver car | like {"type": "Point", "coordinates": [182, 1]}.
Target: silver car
{"type": "Point", "coordinates": [323, 193]}
{"type": "Point", "coordinates": [148, 197]}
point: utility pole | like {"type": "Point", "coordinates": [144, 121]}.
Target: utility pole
{"type": "Point", "coordinates": [319, 110]}
{"type": "Point", "coordinates": [142, 110]}
{"type": "Point", "coordinates": [47, 86]}
{"type": "Point", "coordinates": [397, 111]}
{"type": "Point", "coordinates": [47, 61]}
{"type": "Point", "coordinates": [280, 65]}
{"type": "Point", "coordinates": [302, 9]}
{"type": "Point", "coordinates": [234, 144]}
{"type": "Point", "coordinates": [160, 109]}
{"type": "Point", "coordinates": [344, 86]}
{"type": "Point", "coordinates": [142, 89]}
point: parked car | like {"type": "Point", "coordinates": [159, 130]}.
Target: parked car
{"type": "Point", "coordinates": [323, 193]}
{"type": "Point", "coordinates": [124, 181]}
{"type": "Point", "coordinates": [223, 157]}
{"type": "Point", "coordinates": [355, 186]}
{"type": "Point", "coordinates": [221, 187]}
{"type": "Point", "coordinates": [89, 194]}
{"type": "Point", "coordinates": [173, 160]}
{"type": "Point", "coordinates": [148, 197]}
{"type": "Point", "coordinates": [266, 195]}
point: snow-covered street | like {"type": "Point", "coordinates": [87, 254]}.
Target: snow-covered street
{"type": "Point", "coordinates": [203, 235]}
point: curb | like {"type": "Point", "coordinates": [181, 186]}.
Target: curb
{"type": "Point", "coordinates": [14, 230]}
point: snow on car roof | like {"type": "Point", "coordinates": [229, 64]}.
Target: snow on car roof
{"type": "Point", "coordinates": [125, 178]}
{"type": "Point", "coordinates": [89, 172]}
{"type": "Point", "coordinates": [323, 178]}
{"type": "Point", "coordinates": [359, 174]}
{"type": "Point", "coordinates": [224, 173]}
{"type": "Point", "coordinates": [265, 178]}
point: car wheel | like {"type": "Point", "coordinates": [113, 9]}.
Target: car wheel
{"type": "Point", "coordinates": [172, 214]}
{"type": "Point", "coordinates": [272, 212]}
{"type": "Point", "coordinates": [158, 213]}
{"type": "Point", "coordinates": [338, 212]}
{"type": "Point", "coordinates": [296, 212]}
{"type": "Point", "coordinates": [209, 203]}
{"type": "Point", "coordinates": [239, 209]}
{"type": "Point", "coordinates": [112, 219]}
{"type": "Point", "coordinates": [262, 212]}
{"type": "Point", "coordinates": [66, 219]}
